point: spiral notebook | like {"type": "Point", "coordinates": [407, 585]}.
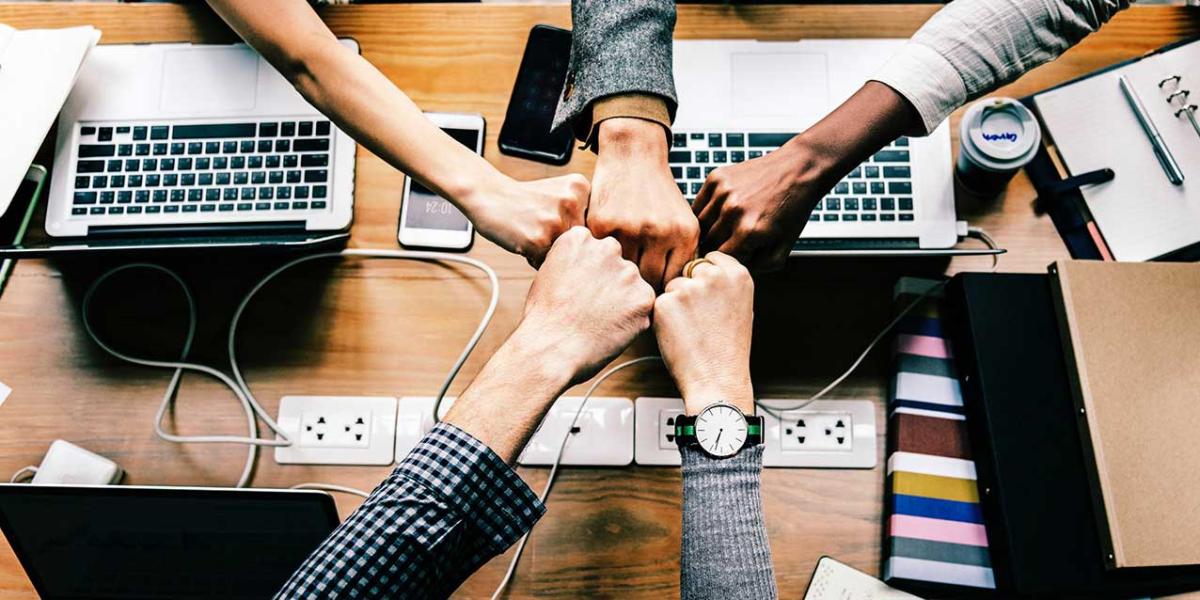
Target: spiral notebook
{"type": "Point", "coordinates": [1141, 215]}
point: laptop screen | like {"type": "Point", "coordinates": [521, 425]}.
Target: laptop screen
{"type": "Point", "coordinates": [129, 542]}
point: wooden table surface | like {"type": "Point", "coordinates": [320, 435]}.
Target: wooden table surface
{"type": "Point", "coordinates": [359, 327]}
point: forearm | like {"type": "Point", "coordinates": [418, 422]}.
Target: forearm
{"type": "Point", "coordinates": [971, 47]}
{"type": "Point", "coordinates": [356, 96]}
{"type": "Point", "coordinates": [724, 552]}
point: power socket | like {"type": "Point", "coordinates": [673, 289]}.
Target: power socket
{"type": "Point", "coordinates": [337, 430]}
{"type": "Point", "coordinates": [834, 434]}
{"type": "Point", "coordinates": [414, 418]}
{"type": "Point", "coordinates": [654, 437]}
{"type": "Point", "coordinates": [603, 438]}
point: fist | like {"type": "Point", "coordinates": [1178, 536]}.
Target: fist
{"type": "Point", "coordinates": [586, 304]}
{"type": "Point", "coordinates": [703, 324]}
{"type": "Point", "coordinates": [526, 217]}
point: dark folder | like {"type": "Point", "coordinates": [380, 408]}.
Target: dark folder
{"type": "Point", "coordinates": [1027, 446]}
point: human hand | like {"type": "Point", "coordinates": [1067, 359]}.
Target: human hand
{"type": "Point", "coordinates": [755, 210]}
{"type": "Point", "coordinates": [703, 325]}
{"type": "Point", "coordinates": [635, 199]}
{"type": "Point", "coordinates": [526, 217]}
{"type": "Point", "coordinates": [585, 306]}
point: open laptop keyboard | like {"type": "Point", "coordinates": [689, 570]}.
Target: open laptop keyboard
{"type": "Point", "coordinates": [878, 191]}
{"type": "Point", "coordinates": [230, 167]}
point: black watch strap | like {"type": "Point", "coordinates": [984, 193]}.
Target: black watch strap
{"type": "Point", "coordinates": [685, 431]}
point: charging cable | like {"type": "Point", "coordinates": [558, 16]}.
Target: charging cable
{"type": "Point", "coordinates": [237, 384]}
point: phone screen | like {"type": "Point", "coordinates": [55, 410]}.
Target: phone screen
{"type": "Point", "coordinates": [427, 210]}
{"type": "Point", "coordinates": [526, 130]}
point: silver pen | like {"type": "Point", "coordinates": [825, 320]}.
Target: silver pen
{"type": "Point", "coordinates": [1165, 158]}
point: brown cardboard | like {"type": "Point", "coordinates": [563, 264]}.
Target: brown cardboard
{"type": "Point", "coordinates": [1133, 330]}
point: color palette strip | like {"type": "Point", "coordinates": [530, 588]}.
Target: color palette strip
{"type": "Point", "coordinates": [934, 526]}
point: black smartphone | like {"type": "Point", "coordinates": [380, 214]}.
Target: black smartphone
{"type": "Point", "coordinates": [526, 130]}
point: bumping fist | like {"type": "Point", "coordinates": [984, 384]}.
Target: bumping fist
{"type": "Point", "coordinates": [703, 324]}
{"type": "Point", "coordinates": [526, 217]}
{"type": "Point", "coordinates": [586, 303]}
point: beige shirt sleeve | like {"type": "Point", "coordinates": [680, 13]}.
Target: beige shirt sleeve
{"type": "Point", "coordinates": [648, 107]}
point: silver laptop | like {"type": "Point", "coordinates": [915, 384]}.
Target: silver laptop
{"type": "Point", "coordinates": [175, 139]}
{"type": "Point", "coordinates": [741, 99]}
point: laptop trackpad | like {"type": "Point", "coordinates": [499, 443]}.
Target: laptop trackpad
{"type": "Point", "coordinates": [792, 85]}
{"type": "Point", "coordinates": [205, 81]}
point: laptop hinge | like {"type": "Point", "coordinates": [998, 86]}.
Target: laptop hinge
{"type": "Point", "coordinates": [205, 229]}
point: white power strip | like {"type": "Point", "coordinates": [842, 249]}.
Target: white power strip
{"type": "Point", "coordinates": [604, 439]}
{"type": "Point", "coordinates": [837, 434]}
{"type": "Point", "coordinates": [337, 430]}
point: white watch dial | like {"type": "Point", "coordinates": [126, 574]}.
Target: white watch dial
{"type": "Point", "coordinates": [721, 430]}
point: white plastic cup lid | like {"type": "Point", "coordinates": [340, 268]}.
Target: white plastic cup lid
{"type": "Point", "coordinates": [1000, 134]}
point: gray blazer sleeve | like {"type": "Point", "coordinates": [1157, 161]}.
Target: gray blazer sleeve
{"type": "Point", "coordinates": [725, 552]}
{"type": "Point", "coordinates": [617, 46]}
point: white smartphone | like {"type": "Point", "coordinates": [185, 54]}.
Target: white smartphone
{"type": "Point", "coordinates": [428, 220]}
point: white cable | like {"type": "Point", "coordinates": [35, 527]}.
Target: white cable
{"type": "Point", "coordinates": [329, 487]}
{"type": "Point", "coordinates": [238, 384]}
{"type": "Point", "coordinates": [512, 565]}
{"type": "Point", "coordinates": [975, 232]}
{"type": "Point", "coordinates": [29, 471]}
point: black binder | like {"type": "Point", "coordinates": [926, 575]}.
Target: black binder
{"type": "Point", "coordinates": [1027, 446]}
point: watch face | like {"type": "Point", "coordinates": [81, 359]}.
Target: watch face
{"type": "Point", "coordinates": [721, 430]}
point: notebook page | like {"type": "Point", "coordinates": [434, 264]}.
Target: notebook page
{"type": "Point", "coordinates": [1139, 212]}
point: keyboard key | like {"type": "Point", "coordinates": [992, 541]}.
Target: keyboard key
{"type": "Point", "coordinates": [284, 192]}
{"type": "Point", "coordinates": [693, 172]}
{"type": "Point", "coordinates": [701, 156]}
{"type": "Point", "coordinates": [116, 181]}
{"type": "Point", "coordinates": [159, 196]}
{"type": "Point", "coordinates": [902, 142]}
{"type": "Point", "coordinates": [897, 172]}
{"type": "Point", "coordinates": [230, 194]}
{"type": "Point", "coordinates": [851, 203]}
{"type": "Point", "coordinates": [185, 164]}
{"type": "Point", "coordinates": [153, 209]}
{"type": "Point", "coordinates": [150, 164]}
{"type": "Point", "coordinates": [90, 166]}
{"type": "Point", "coordinates": [322, 127]}
{"type": "Point", "coordinates": [220, 162]}
{"type": "Point", "coordinates": [869, 217]}
{"type": "Point", "coordinates": [814, 217]}
{"type": "Point", "coordinates": [195, 147]}
{"type": "Point", "coordinates": [247, 193]}
{"type": "Point", "coordinates": [300, 192]}
{"type": "Point", "coordinates": [300, 205]}
{"type": "Point", "coordinates": [153, 180]}
{"type": "Point", "coordinates": [171, 208]}
{"type": "Point", "coordinates": [87, 130]}
{"type": "Point", "coordinates": [887, 204]}
{"type": "Point", "coordinates": [82, 182]}
{"type": "Point", "coordinates": [97, 150]}
{"type": "Point", "coordinates": [139, 133]}
{"type": "Point", "coordinates": [266, 193]}
{"type": "Point", "coordinates": [311, 145]}
{"type": "Point", "coordinates": [887, 217]}
{"type": "Point", "coordinates": [160, 149]}
{"type": "Point", "coordinates": [314, 160]}
{"type": "Point", "coordinates": [858, 187]}
{"type": "Point", "coordinates": [696, 186]}
{"type": "Point", "coordinates": [735, 140]}
{"type": "Point", "coordinates": [166, 164]}
{"type": "Point", "coordinates": [104, 134]}
{"type": "Point", "coordinates": [906, 216]}
{"type": "Point", "coordinates": [827, 217]}
{"type": "Point", "coordinates": [189, 208]}
{"type": "Point", "coordinates": [833, 204]}
{"type": "Point", "coordinates": [288, 129]}
{"type": "Point", "coordinates": [306, 128]}
{"type": "Point", "coordinates": [283, 145]}
{"type": "Point", "coordinates": [277, 177]}
{"type": "Point", "coordinates": [293, 176]}
{"type": "Point", "coordinates": [319, 191]}
{"type": "Point", "coordinates": [229, 147]}
{"type": "Point", "coordinates": [884, 156]}
{"type": "Point", "coordinates": [770, 139]}
{"type": "Point", "coordinates": [123, 130]}
{"type": "Point", "coordinates": [135, 181]}
{"type": "Point", "coordinates": [114, 166]}
{"type": "Point", "coordinates": [142, 150]}
{"type": "Point", "coordinates": [291, 161]}
{"type": "Point", "coordinates": [868, 204]}
{"type": "Point", "coordinates": [96, 210]}
{"type": "Point", "coordinates": [316, 176]}
{"type": "Point", "coordinates": [850, 217]}
{"type": "Point", "coordinates": [676, 172]}
{"type": "Point", "coordinates": [715, 140]}
{"type": "Point", "coordinates": [246, 147]}
{"type": "Point", "coordinates": [720, 156]}
{"type": "Point", "coordinates": [737, 156]}
{"type": "Point", "coordinates": [133, 165]}
{"type": "Point", "coordinates": [899, 187]}
{"type": "Point", "coordinates": [141, 197]}
{"type": "Point", "coordinates": [208, 207]}
{"type": "Point", "coordinates": [906, 204]}
{"type": "Point", "coordinates": [213, 130]}
{"type": "Point", "coordinates": [273, 161]}
{"type": "Point", "coordinates": [262, 206]}
{"type": "Point", "coordinates": [679, 140]}
{"type": "Point", "coordinates": [134, 210]}
{"type": "Point", "coordinates": [268, 129]}
{"type": "Point", "coordinates": [281, 205]}
{"type": "Point", "coordinates": [194, 195]}
{"type": "Point", "coordinates": [317, 205]}
{"type": "Point", "coordinates": [855, 174]}
{"type": "Point", "coordinates": [755, 154]}
{"type": "Point", "coordinates": [223, 178]}
{"type": "Point", "coordinates": [237, 162]}
{"type": "Point", "coordinates": [212, 147]}
{"type": "Point", "coordinates": [241, 178]}
{"type": "Point", "coordinates": [125, 150]}
{"type": "Point", "coordinates": [676, 157]}
{"type": "Point", "coordinates": [841, 188]}
{"type": "Point", "coordinates": [85, 198]}
{"type": "Point", "coordinates": [100, 181]}
{"type": "Point", "coordinates": [176, 195]}
{"type": "Point", "coordinates": [708, 171]}
{"type": "Point", "coordinates": [212, 195]}
{"type": "Point", "coordinates": [265, 146]}
{"type": "Point", "coordinates": [877, 188]}
{"type": "Point", "coordinates": [206, 179]}
{"type": "Point", "coordinates": [871, 172]}
{"type": "Point", "coordinates": [178, 148]}
{"type": "Point", "coordinates": [683, 188]}
{"type": "Point", "coordinates": [225, 207]}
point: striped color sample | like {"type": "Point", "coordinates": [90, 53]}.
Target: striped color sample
{"type": "Point", "coordinates": [933, 523]}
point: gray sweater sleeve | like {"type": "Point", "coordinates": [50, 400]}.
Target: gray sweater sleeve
{"type": "Point", "coordinates": [725, 552]}
{"type": "Point", "coordinates": [617, 47]}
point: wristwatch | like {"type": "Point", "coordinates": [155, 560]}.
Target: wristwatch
{"type": "Point", "coordinates": [720, 430]}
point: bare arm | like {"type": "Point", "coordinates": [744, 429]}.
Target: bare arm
{"type": "Point", "coordinates": [341, 84]}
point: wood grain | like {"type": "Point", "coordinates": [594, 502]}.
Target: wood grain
{"type": "Point", "coordinates": [391, 328]}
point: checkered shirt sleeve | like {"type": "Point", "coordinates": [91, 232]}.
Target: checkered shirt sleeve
{"type": "Point", "coordinates": [446, 509]}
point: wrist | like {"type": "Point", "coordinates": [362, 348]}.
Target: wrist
{"type": "Point", "coordinates": [473, 189]}
{"type": "Point", "coordinates": [735, 390]}
{"type": "Point", "coordinates": [631, 137]}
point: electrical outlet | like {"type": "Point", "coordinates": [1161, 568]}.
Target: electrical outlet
{"type": "Point", "coordinates": [603, 435]}
{"type": "Point", "coordinates": [836, 434]}
{"type": "Point", "coordinates": [337, 430]}
{"type": "Point", "coordinates": [414, 419]}
{"type": "Point", "coordinates": [654, 437]}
